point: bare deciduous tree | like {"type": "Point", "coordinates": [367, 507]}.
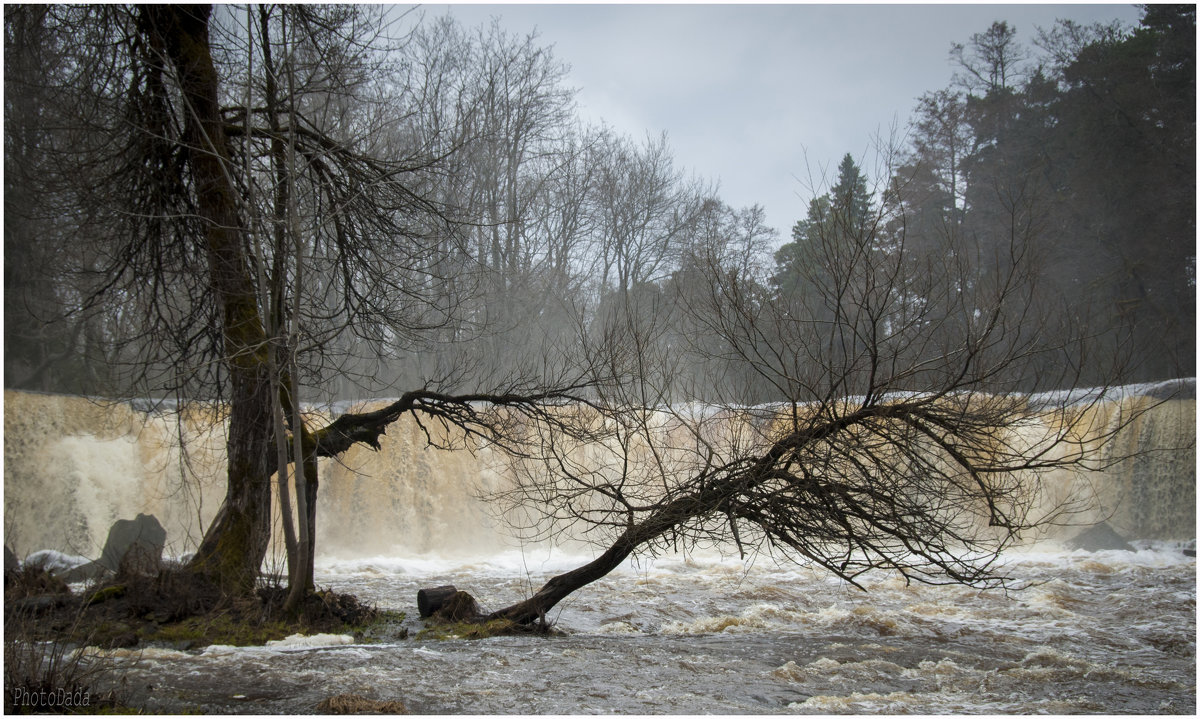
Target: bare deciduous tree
{"type": "Point", "coordinates": [276, 211]}
{"type": "Point", "coordinates": [903, 436]}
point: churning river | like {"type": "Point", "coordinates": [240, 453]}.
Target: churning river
{"type": "Point", "coordinates": [1106, 632]}
{"type": "Point", "coordinates": [1109, 632]}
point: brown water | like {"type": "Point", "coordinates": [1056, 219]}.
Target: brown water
{"type": "Point", "coordinates": [72, 467]}
{"type": "Point", "coordinates": [1112, 632]}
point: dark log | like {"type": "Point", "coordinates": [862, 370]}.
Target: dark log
{"type": "Point", "coordinates": [461, 607]}
{"type": "Point", "coordinates": [432, 599]}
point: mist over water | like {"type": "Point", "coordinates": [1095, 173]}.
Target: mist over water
{"type": "Point", "coordinates": [74, 466]}
{"type": "Point", "coordinates": [1106, 632]}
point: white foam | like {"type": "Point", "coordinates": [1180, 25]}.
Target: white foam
{"type": "Point", "coordinates": [136, 654]}
{"type": "Point", "coordinates": [54, 561]}
{"type": "Point", "coordinates": [301, 641]}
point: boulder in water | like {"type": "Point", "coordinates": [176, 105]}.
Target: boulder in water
{"type": "Point", "coordinates": [85, 573]}
{"type": "Point", "coordinates": [134, 546]}
{"type": "Point", "coordinates": [1099, 537]}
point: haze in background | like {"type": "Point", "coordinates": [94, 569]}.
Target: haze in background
{"type": "Point", "coordinates": [762, 96]}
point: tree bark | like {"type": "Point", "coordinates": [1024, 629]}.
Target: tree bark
{"type": "Point", "coordinates": [301, 579]}
{"type": "Point", "coordinates": [535, 608]}
{"type": "Point", "coordinates": [723, 485]}
{"type": "Point", "coordinates": [433, 598]}
{"type": "Point", "coordinates": [233, 548]}
{"type": "Point", "coordinates": [272, 289]}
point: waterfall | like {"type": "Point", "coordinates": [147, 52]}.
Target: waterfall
{"type": "Point", "coordinates": [73, 466]}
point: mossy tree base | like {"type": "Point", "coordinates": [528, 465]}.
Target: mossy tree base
{"type": "Point", "coordinates": [454, 614]}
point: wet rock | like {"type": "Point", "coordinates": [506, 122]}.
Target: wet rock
{"type": "Point", "coordinates": [120, 636]}
{"type": "Point", "coordinates": [1097, 538]}
{"type": "Point", "coordinates": [134, 546]}
{"type": "Point", "coordinates": [38, 604]}
{"type": "Point", "coordinates": [85, 572]}
{"type": "Point", "coordinates": [1173, 389]}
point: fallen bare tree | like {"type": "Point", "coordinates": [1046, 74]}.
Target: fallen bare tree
{"type": "Point", "coordinates": [904, 437]}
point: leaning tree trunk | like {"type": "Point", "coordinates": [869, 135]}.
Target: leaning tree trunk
{"type": "Point", "coordinates": [535, 608]}
{"type": "Point", "coordinates": [233, 548]}
{"type": "Point", "coordinates": [706, 500]}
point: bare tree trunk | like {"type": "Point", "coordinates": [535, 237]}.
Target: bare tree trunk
{"type": "Point", "coordinates": [233, 548]}
{"type": "Point", "coordinates": [281, 486]}
{"type": "Point", "coordinates": [305, 457]}
{"type": "Point", "coordinates": [310, 508]}
{"type": "Point", "coordinates": [663, 520]}
{"type": "Point", "coordinates": [554, 591]}
{"type": "Point", "coordinates": [302, 572]}
{"type": "Point", "coordinates": [272, 288]}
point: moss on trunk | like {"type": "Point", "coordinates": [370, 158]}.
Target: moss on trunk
{"type": "Point", "coordinates": [234, 546]}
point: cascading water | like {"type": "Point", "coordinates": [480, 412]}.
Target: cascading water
{"type": "Point", "coordinates": [73, 466]}
{"type": "Point", "coordinates": [1109, 632]}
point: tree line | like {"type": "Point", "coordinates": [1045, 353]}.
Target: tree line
{"type": "Point", "coordinates": [272, 206]}
{"type": "Point", "coordinates": [1090, 138]}
{"type": "Point", "coordinates": [526, 219]}
{"type": "Point", "coordinates": [1086, 141]}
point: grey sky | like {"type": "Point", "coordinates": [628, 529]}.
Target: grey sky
{"type": "Point", "coordinates": [761, 97]}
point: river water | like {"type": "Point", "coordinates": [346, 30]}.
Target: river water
{"type": "Point", "coordinates": [1108, 632]}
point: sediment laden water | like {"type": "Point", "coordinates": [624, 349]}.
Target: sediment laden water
{"type": "Point", "coordinates": [73, 466]}
{"type": "Point", "coordinates": [1110, 632]}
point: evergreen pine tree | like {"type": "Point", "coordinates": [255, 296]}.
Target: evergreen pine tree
{"type": "Point", "coordinates": [842, 215]}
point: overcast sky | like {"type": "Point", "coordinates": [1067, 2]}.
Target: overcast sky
{"type": "Point", "coordinates": [761, 97]}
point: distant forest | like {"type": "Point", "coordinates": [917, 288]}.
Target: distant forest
{"type": "Point", "coordinates": [531, 230]}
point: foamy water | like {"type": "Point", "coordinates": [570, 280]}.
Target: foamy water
{"type": "Point", "coordinates": [1109, 632]}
